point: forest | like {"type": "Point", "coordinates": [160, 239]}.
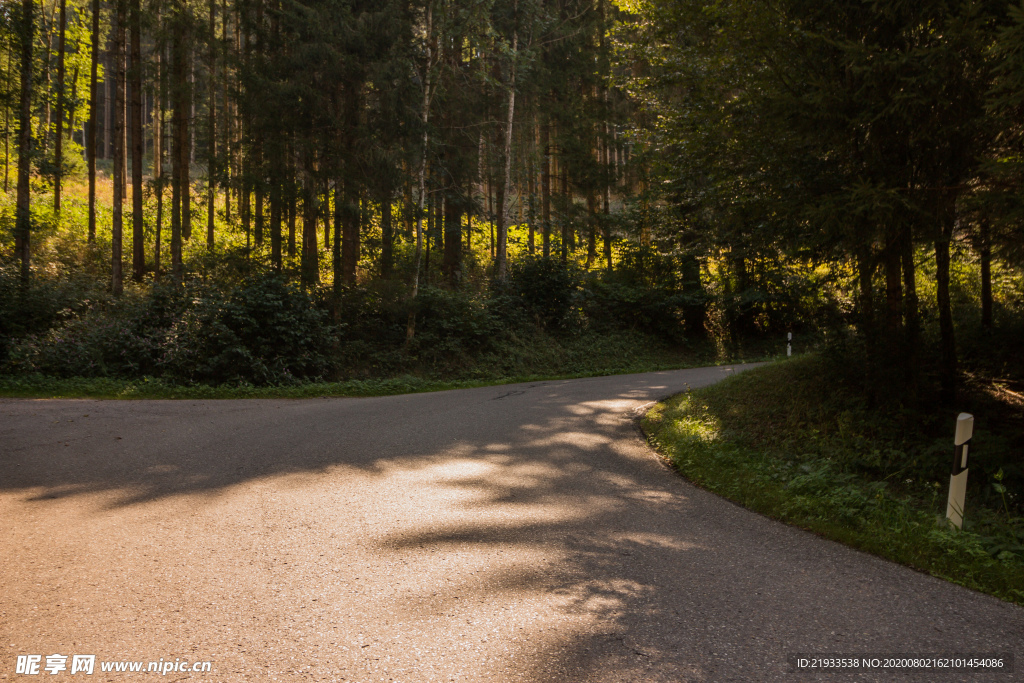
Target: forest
{"type": "Point", "coordinates": [263, 192]}
{"type": "Point", "coordinates": [360, 197]}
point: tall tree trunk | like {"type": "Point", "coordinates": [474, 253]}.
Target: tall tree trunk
{"type": "Point", "coordinates": [568, 241]}
{"type": "Point", "coordinates": [292, 211]}
{"type": "Point", "coordinates": [310, 263]}
{"type": "Point", "coordinates": [350, 233]}
{"type": "Point", "coordinates": [531, 215]}
{"type": "Point", "coordinates": [211, 161]}
{"type": "Point", "coordinates": [185, 137]}
{"type": "Point", "coordinates": [275, 225]}
{"type": "Point", "coordinates": [7, 113]}
{"type": "Point", "coordinates": [158, 153]}
{"type": "Point", "coordinates": [180, 214]}
{"type": "Point", "coordinates": [490, 212]}
{"type": "Point", "coordinates": [108, 109]}
{"type": "Point", "coordinates": [592, 229]}
{"type": "Point", "coordinates": [606, 226]}
{"type": "Point", "coordinates": [410, 329]}
{"type": "Point", "coordinates": [340, 209]}
{"type": "Point", "coordinates": [912, 323]}
{"type": "Point", "coordinates": [117, 222]}
{"type": "Point", "coordinates": [94, 102]}
{"type": "Point", "coordinates": [407, 210]}
{"type": "Point", "coordinates": [138, 139]}
{"type": "Point", "coordinates": [387, 237]}
{"type": "Point", "coordinates": [947, 343]}
{"type": "Point", "coordinates": [325, 216]}
{"type": "Point", "coordinates": [892, 351]}
{"type": "Point", "coordinates": [986, 274]}
{"type": "Point", "coordinates": [545, 186]}
{"type": "Point", "coordinates": [501, 257]}
{"type": "Point", "coordinates": [23, 219]}
{"type": "Point", "coordinates": [257, 206]}
{"type": "Point", "coordinates": [452, 264]}
{"type": "Point", "coordinates": [58, 158]}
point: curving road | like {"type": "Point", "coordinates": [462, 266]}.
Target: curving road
{"type": "Point", "coordinates": [513, 533]}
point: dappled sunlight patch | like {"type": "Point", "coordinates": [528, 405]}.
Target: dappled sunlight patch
{"type": "Point", "coordinates": [652, 540]}
{"type": "Point", "coordinates": [607, 598]}
{"type": "Point", "coordinates": [584, 440]}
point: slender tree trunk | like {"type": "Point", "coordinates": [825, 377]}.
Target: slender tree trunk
{"type": "Point", "coordinates": [292, 211]}
{"type": "Point", "coordinates": [211, 162]}
{"type": "Point", "coordinates": [490, 213]}
{"type": "Point", "coordinates": [138, 139]}
{"type": "Point", "coordinates": [8, 91]}
{"type": "Point", "coordinates": [410, 329]}
{"type": "Point", "coordinates": [72, 107]}
{"type": "Point", "coordinates": [545, 187]}
{"type": "Point", "coordinates": [258, 195]}
{"type": "Point", "coordinates": [501, 257]}
{"type": "Point", "coordinates": [893, 341]}
{"type": "Point", "coordinates": [228, 117]}
{"type": "Point", "coordinates": [158, 153]}
{"type": "Point", "coordinates": [185, 138]}
{"type": "Point", "coordinates": [23, 220]}
{"type": "Point", "coordinates": [947, 343]}
{"type": "Point", "coordinates": [407, 211]}
{"type": "Point", "coordinates": [452, 242]}
{"type": "Point", "coordinates": [340, 207]}
{"type": "Point", "coordinates": [350, 233]}
{"type": "Point", "coordinates": [180, 214]}
{"type": "Point", "coordinates": [310, 261]}
{"type": "Point", "coordinates": [429, 237]}
{"type": "Point", "coordinates": [275, 225]}
{"type": "Point", "coordinates": [117, 224]}
{"type": "Point", "coordinates": [531, 216]}
{"type": "Point", "coordinates": [606, 227]}
{"type": "Point", "coordinates": [387, 237]}
{"type": "Point", "coordinates": [986, 274]}
{"type": "Point", "coordinates": [592, 229]}
{"type": "Point", "coordinates": [7, 113]}
{"type": "Point", "coordinates": [58, 160]}
{"type": "Point", "coordinates": [325, 216]}
{"type": "Point", "coordinates": [568, 241]}
{"type": "Point", "coordinates": [47, 41]}
{"type": "Point", "coordinates": [94, 102]}
{"type": "Point", "coordinates": [108, 109]}
{"type": "Point", "coordinates": [912, 323]}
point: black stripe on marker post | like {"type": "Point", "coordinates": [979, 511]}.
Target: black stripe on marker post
{"type": "Point", "coordinates": [960, 454]}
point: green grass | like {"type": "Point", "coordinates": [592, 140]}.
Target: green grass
{"type": "Point", "coordinates": [788, 441]}
{"type": "Point", "coordinates": [42, 387]}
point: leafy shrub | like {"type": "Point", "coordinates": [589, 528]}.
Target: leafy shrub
{"type": "Point", "coordinates": [545, 288]}
{"type": "Point", "coordinates": [264, 331]}
{"type": "Point", "coordinates": [636, 307]}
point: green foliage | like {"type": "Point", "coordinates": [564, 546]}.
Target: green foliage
{"type": "Point", "coordinates": [263, 331]}
{"type": "Point", "coordinates": [545, 289]}
{"type": "Point", "coordinates": [260, 331]}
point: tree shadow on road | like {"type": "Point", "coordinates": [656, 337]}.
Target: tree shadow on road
{"type": "Point", "coordinates": [651, 579]}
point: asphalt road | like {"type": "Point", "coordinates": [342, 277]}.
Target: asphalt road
{"type": "Point", "coordinates": [513, 533]}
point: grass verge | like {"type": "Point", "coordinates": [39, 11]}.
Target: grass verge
{"type": "Point", "coordinates": [43, 387]}
{"type": "Point", "coordinates": [787, 441]}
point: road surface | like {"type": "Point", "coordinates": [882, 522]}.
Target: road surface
{"type": "Point", "coordinates": [512, 533]}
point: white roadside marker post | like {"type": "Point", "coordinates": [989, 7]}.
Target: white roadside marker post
{"type": "Point", "coordinates": [789, 344]}
{"type": "Point", "coordinates": [958, 475]}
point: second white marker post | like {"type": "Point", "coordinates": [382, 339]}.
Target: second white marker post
{"type": "Point", "coordinates": [958, 474]}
